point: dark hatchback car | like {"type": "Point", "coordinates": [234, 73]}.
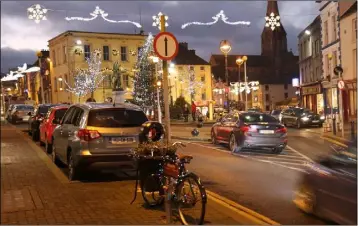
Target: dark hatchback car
{"type": "Point", "coordinates": [36, 118]}
{"type": "Point", "coordinates": [329, 189]}
{"type": "Point", "coordinates": [249, 130]}
{"type": "Point", "coordinates": [300, 117]}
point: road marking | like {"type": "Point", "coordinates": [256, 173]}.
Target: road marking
{"type": "Point", "coordinates": [334, 142]}
{"type": "Point", "coordinates": [299, 153]}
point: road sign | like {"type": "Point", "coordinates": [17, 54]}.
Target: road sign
{"type": "Point", "coordinates": [166, 45]}
{"type": "Point", "coordinates": [341, 85]}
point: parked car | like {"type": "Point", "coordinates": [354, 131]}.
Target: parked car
{"type": "Point", "coordinates": [20, 113]}
{"type": "Point", "coordinates": [51, 120]}
{"type": "Point", "coordinates": [97, 136]}
{"type": "Point", "coordinates": [254, 110]}
{"type": "Point", "coordinates": [329, 189]}
{"type": "Point", "coordinates": [300, 117]}
{"type": "Point", "coordinates": [8, 112]}
{"type": "Point", "coordinates": [36, 119]}
{"type": "Point", "coordinates": [276, 114]}
{"type": "Point", "coordinates": [249, 130]}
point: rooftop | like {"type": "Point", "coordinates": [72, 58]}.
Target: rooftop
{"type": "Point", "coordinates": [188, 56]}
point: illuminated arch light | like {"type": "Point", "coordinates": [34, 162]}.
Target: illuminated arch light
{"type": "Point", "coordinates": [216, 18]}
{"type": "Point", "coordinates": [272, 21]}
{"type": "Point", "coordinates": [99, 12]}
{"type": "Point", "coordinates": [37, 13]}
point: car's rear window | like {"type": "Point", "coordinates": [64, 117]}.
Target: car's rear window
{"type": "Point", "coordinates": [116, 118]}
{"type": "Point", "coordinates": [252, 118]}
{"type": "Point", "coordinates": [24, 108]}
{"type": "Point", "coordinates": [60, 113]}
{"type": "Point", "coordinates": [44, 109]}
{"type": "Point", "coordinates": [276, 112]}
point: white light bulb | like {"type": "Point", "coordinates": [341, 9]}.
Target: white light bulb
{"type": "Point", "coordinates": [154, 24]}
{"type": "Point", "coordinates": [154, 17]}
{"type": "Point", "coordinates": [166, 17]}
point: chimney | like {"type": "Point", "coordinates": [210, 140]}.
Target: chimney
{"type": "Point", "coordinates": [184, 44]}
{"type": "Point", "coordinates": [192, 51]}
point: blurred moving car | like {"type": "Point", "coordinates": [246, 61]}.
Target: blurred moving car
{"type": "Point", "coordinates": [329, 189]}
{"type": "Point", "coordinates": [300, 117]}
{"type": "Point", "coordinates": [276, 114]}
{"type": "Point", "coordinates": [36, 119]}
{"type": "Point", "coordinates": [249, 130]}
{"type": "Point", "coordinates": [19, 113]}
{"type": "Point", "coordinates": [97, 136]}
{"type": "Point", "coordinates": [51, 120]}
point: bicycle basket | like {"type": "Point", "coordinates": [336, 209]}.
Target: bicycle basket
{"type": "Point", "coordinates": [171, 170]}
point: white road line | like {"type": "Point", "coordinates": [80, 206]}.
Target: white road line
{"type": "Point", "coordinates": [270, 155]}
{"type": "Point", "coordinates": [280, 157]}
{"type": "Point", "coordinates": [299, 153]}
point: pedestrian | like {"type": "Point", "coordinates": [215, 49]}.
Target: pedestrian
{"type": "Point", "coordinates": [193, 110]}
{"type": "Point", "coordinates": [186, 113]}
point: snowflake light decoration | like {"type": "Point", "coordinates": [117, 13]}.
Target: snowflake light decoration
{"type": "Point", "coordinates": [272, 21]}
{"type": "Point", "coordinates": [216, 18]}
{"type": "Point", "coordinates": [99, 12]}
{"type": "Point", "coordinates": [156, 20]}
{"type": "Point", "coordinates": [37, 13]}
{"type": "Point", "coordinates": [132, 52]}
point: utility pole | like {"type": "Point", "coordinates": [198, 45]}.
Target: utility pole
{"type": "Point", "coordinates": [165, 88]}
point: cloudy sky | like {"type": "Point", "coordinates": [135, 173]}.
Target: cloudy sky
{"type": "Point", "coordinates": [21, 37]}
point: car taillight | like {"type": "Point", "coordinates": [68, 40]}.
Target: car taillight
{"type": "Point", "coordinates": [88, 135]}
{"type": "Point", "coordinates": [281, 130]}
{"type": "Point", "coordinates": [246, 129]}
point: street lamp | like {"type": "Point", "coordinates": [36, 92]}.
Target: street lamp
{"type": "Point", "coordinates": [225, 48]}
{"type": "Point", "coordinates": [239, 62]}
{"type": "Point", "coordinates": [244, 59]}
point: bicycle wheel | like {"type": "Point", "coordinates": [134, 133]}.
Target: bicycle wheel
{"type": "Point", "coordinates": [152, 190]}
{"type": "Point", "coordinates": [191, 200]}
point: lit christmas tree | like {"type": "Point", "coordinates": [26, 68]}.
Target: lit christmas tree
{"type": "Point", "coordinates": [88, 80]}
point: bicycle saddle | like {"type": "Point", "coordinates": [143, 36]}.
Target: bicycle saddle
{"type": "Point", "coordinates": [185, 157]}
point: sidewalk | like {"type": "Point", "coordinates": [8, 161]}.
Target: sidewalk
{"type": "Point", "coordinates": [184, 133]}
{"type": "Point", "coordinates": [35, 191]}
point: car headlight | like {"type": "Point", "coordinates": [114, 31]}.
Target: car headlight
{"type": "Point", "coordinates": [322, 117]}
{"type": "Point", "coordinates": [305, 118]}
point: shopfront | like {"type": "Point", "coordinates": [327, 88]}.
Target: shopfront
{"type": "Point", "coordinates": [312, 98]}
{"type": "Point", "coordinates": [349, 95]}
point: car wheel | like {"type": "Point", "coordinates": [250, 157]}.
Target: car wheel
{"type": "Point", "coordinates": [305, 199]}
{"type": "Point", "coordinates": [213, 138]}
{"type": "Point", "coordinates": [34, 135]}
{"type": "Point", "coordinates": [48, 147]}
{"type": "Point", "coordinates": [73, 170]}
{"type": "Point", "coordinates": [277, 150]}
{"type": "Point", "coordinates": [298, 124]}
{"type": "Point", "coordinates": [233, 144]}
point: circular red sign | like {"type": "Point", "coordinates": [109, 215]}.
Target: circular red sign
{"type": "Point", "coordinates": [155, 43]}
{"type": "Point", "coordinates": [341, 85]}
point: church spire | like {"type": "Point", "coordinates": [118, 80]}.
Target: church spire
{"type": "Point", "coordinates": [272, 7]}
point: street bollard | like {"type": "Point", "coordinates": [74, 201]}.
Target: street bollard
{"type": "Point", "coordinates": [168, 204]}
{"type": "Point", "coordinates": [334, 129]}
{"type": "Point", "coordinates": [353, 137]}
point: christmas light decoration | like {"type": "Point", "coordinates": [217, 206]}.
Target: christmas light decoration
{"type": "Point", "coordinates": [238, 87]}
{"type": "Point", "coordinates": [272, 21]}
{"type": "Point", "coordinates": [156, 20]}
{"type": "Point", "coordinates": [99, 12]}
{"type": "Point", "coordinates": [37, 13]}
{"type": "Point", "coordinates": [216, 18]}
{"type": "Point", "coordinates": [87, 80]}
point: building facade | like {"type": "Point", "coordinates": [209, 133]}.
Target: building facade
{"type": "Point", "coordinates": [190, 77]}
{"type": "Point", "coordinates": [331, 55]}
{"type": "Point", "coordinates": [348, 33]}
{"type": "Point", "coordinates": [69, 50]}
{"type": "Point", "coordinates": [310, 64]}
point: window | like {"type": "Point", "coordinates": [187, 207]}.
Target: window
{"type": "Point", "coordinates": [203, 78]}
{"type": "Point", "coordinates": [60, 113]}
{"type": "Point", "coordinates": [267, 88]}
{"type": "Point", "coordinates": [116, 118]}
{"type": "Point", "coordinates": [64, 51]}
{"type": "Point", "coordinates": [54, 57]}
{"type": "Point", "coordinates": [318, 73]}
{"type": "Point", "coordinates": [68, 115]}
{"type": "Point", "coordinates": [191, 68]}
{"type": "Point", "coordinates": [87, 51]}
{"type": "Point", "coordinates": [285, 86]}
{"type": "Point", "coordinates": [105, 53]}
{"type": "Point", "coordinates": [325, 38]}
{"type": "Point", "coordinates": [202, 68]}
{"type": "Point", "coordinates": [107, 82]}
{"type": "Point", "coordinates": [286, 95]}
{"type": "Point", "coordinates": [123, 53]}
{"type": "Point", "coordinates": [303, 75]}
{"type": "Point", "coordinates": [304, 49]}
{"type": "Point", "coordinates": [334, 30]}
{"type": "Point", "coordinates": [354, 30]}
{"type": "Point", "coordinates": [203, 96]}
{"type": "Point", "coordinates": [267, 97]}
{"type": "Point", "coordinates": [77, 116]}
{"type": "Point", "coordinates": [138, 50]}
{"type": "Point", "coordinates": [317, 43]}
{"type": "Point", "coordinates": [58, 53]}
{"type": "Point", "coordinates": [354, 62]}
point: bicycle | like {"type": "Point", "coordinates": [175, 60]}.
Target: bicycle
{"type": "Point", "coordinates": [172, 176]}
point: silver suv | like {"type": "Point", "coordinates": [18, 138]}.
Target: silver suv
{"type": "Point", "coordinates": [97, 136]}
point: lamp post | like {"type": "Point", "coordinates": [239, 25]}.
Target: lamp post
{"type": "Point", "coordinates": [225, 48]}
{"type": "Point", "coordinates": [239, 62]}
{"type": "Point", "coordinates": [243, 60]}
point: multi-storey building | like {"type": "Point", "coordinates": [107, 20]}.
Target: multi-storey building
{"type": "Point", "coordinates": [275, 66]}
{"type": "Point", "coordinates": [69, 50]}
{"type": "Point", "coordinates": [310, 63]}
{"type": "Point", "coordinates": [198, 90]}
{"type": "Point", "coordinates": [331, 56]}
{"type": "Point", "coordinates": [348, 33]}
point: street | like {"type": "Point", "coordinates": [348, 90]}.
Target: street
{"type": "Point", "coordinates": [257, 180]}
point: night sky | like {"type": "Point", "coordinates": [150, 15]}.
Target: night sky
{"type": "Point", "coordinates": [21, 37]}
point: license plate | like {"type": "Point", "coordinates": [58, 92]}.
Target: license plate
{"type": "Point", "coordinates": [267, 131]}
{"type": "Point", "coordinates": [315, 121]}
{"type": "Point", "coordinates": [122, 140]}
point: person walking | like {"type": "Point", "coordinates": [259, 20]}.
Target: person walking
{"type": "Point", "coordinates": [193, 110]}
{"type": "Point", "coordinates": [186, 113]}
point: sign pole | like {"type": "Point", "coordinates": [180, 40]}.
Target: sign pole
{"type": "Point", "coordinates": [168, 208]}
{"type": "Point", "coordinates": [341, 106]}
